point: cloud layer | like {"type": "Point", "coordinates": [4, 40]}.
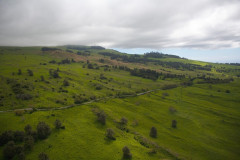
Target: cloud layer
{"type": "Point", "coordinates": [206, 24]}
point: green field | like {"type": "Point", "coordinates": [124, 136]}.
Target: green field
{"type": "Point", "coordinates": [202, 97]}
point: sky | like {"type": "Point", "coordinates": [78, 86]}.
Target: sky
{"type": "Point", "coordinates": [207, 30]}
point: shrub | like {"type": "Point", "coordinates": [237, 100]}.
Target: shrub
{"type": "Point", "coordinates": [174, 124]}
{"type": "Point", "coordinates": [28, 143]}
{"type": "Point", "coordinates": [28, 129]}
{"type": "Point", "coordinates": [19, 71]}
{"type": "Point", "coordinates": [153, 132]}
{"type": "Point", "coordinates": [124, 121]}
{"type": "Point", "coordinates": [30, 72]}
{"type": "Point", "coordinates": [58, 124]}
{"type": "Point", "coordinates": [126, 152]}
{"type": "Point", "coordinates": [172, 110]}
{"type": "Point", "coordinates": [24, 96]}
{"type": "Point", "coordinates": [19, 112]}
{"type": "Point", "coordinates": [227, 91]}
{"type": "Point", "coordinates": [43, 130]}
{"type": "Point", "coordinates": [10, 150]}
{"type": "Point", "coordinates": [6, 137]}
{"type": "Point", "coordinates": [101, 117]}
{"type": "Point", "coordinates": [43, 156]}
{"type": "Point", "coordinates": [65, 83]}
{"type": "Point", "coordinates": [42, 78]}
{"type": "Point", "coordinates": [110, 134]}
{"type": "Point", "coordinates": [19, 136]}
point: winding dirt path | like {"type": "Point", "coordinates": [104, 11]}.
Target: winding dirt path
{"type": "Point", "coordinates": [66, 107]}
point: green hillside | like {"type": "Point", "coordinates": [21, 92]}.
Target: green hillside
{"type": "Point", "coordinates": [91, 89]}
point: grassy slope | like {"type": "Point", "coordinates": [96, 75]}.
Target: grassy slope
{"type": "Point", "coordinates": [208, 120]}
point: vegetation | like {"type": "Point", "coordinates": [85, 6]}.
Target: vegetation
{"type": "Point", "coordinates": [128, 94]}
{"type": "Point", "coordinates": [153, 132]}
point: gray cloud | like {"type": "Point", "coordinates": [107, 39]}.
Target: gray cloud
{"type": "Point", "coordinates": [121, 23]}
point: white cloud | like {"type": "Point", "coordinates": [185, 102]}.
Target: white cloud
{"type": "Point", "coordinates": [121, 23]}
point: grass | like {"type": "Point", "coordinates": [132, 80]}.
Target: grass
{"type": "Point", "coordinates": [208, 118]}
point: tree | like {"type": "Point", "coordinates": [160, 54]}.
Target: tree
{"type": "Point", "coordinates": [110, 134]}
{"type": "Point", "coordinates": [43, 156]}
{"type": "Point", "coordinates": [19, 71]}
{"type": "Point", "coordinates": [30, 72]}
{"type": "Point", "coordinates": [6, 136]}
{"type": "Point", "coordinates": [65, 83]}
{"type": "Point", "coordinates": [153, 132]}
{"type": "Point", "coordinates": [126, 152]}
{"type": "Point", "coordinates": [58, 124]}
{"type": "Point", "coordinates": [28, 129]}
{"type": "Point", "coordinates": [28, 143]}
{"type": "Point", "coordinates": [19, 136]}
{"type": "Point", "coordinates": [43, 130]}
{"type": "Point", "coordinates": [174, 123]}
{"type": "Point", "coordinates": [9, 151]}
{"type": "Point", "coordinates": [101, 117]}
{"type": "Point", "coordinates": [124, 120]}
{"type": "Point", "coordinates": [42, 78]}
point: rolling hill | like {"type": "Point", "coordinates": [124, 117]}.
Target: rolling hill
{"type": "Point", "coordinates": [91, 89]}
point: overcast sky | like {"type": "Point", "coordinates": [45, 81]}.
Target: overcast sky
{"type": "Point", "coordinates": [206, 25]}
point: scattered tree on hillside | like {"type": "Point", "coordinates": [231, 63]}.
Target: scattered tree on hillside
{"type": "Point", "coordinates": [30, 72]}
{"type": "Point", "coordinates": [174, 124]}
{"type": "Point", "coordinates": [153, 132]}
{"type": "Point", "coordinates": [43, 156]}
{"type": "Point", "coordinates": [42, 78]}
{"type": "Point", "coordinates": [19, 71]}
{"type": "Point", "coordinates": [126, 152]}
{"type": "Point", "coordinates": [65, 83]}
{"type": "Point", "coordinates": [43, 130]}
{"type": "Point", "coordinates": [19, 136]}
{"type": "Point", "coordinates": [101, 117]}
{"type": "Point", "coordinates": [110, 134]}
{"type": "Point", "coordinates": [28, 143]}
{"type": "Point", "coordinates": [58, 124]}
{"type": "Point", "coordinates": [28, 129]}
{"type": "Point", "coordinates": [124, 121]}
{"type": "Point", "coordinates": [10, 150]}
{"type": "Point", "coordinates": [6, 137]}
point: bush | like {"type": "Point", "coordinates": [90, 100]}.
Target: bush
{"type": "Point", "coordinates": [19, 71]}
{"type": "Point", "coordinates": [126, 152]}
{"type": "Point", "coordinates": [42, 78]}
{"type": "Point", "coordinates": [19, 112]}
{"type": "Point", "coordinates": [58, 124]}
{"type": "Point", "coordinates": [43, 130]}
{"type": "Point", "coordinates": [101, 117]}
{"type": "Point", "coordinates": [30, 72]}
{"type": "Point", "coordinates": [19, 136]}
{"type": "Point", "coordinates": [124, 121]}
{"type": "Point", "coordinates": [174, 124]}
{"type": "Point", "coordinates": [10, 150]}
{"type": "Point", "coordinates": [65, 83]}
{"type": "Point", "coordinates": [227, 91]}
{"type": "Point", "coordinates": [110, 134]}
{"type": "Point", "coordinates": [153, 132]}
{"type": "Point", "coordinates": [43, 156]}
{"type": "Point", "coordinates": [172, 110]}
{"type": "Point", "coordinates": [28, 143]}
{"type": "Point", "coordinates": [6, 137]}
{"type": "Point", "coordinates": [28, 129]}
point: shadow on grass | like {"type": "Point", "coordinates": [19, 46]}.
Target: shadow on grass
{"type": "Point", "coordinates": [108, 141]}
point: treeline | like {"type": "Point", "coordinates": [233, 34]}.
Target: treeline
{"type": "Point", "coordinates": [79, 47]}
{"type": "Point", "coordinates": [159, 55]}
{"type": "Point", "coordinates": [148, 73]}
{"type": "Point", "coordinates": [49, 49]}
{"type": "Point", "coordinates": [145, 59]}
{"type": "Point", "coordinates": [64, 61]}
